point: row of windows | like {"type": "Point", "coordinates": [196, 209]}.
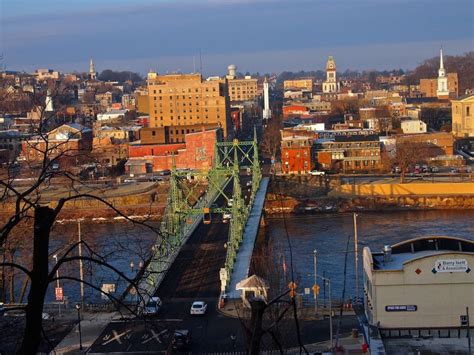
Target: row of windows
{"type": "Point", "coordinates": [185, 117]}
{"type": "Point", "coordinates": [182, 90]}
{"type": "Point", "coordinates": [359, 163]}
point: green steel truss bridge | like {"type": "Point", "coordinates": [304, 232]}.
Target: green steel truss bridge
{"type": "Point", "coordinates": [191, 202]}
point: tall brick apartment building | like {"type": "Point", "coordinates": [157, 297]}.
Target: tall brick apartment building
{"type": "Point", "coordinates": [178, 102]}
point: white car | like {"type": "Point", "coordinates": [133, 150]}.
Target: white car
{"type": "Point", "coordinates": [230, 202]}
{"type": "Point", "coordinates": [317, 173]}
{"type": "Point", "coordinates": [153, 306]}
{"type": "Point", "coordinates": [198, 308]}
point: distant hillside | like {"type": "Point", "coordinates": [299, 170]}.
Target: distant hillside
{"type": "Point", "coordinates": [461, 64]}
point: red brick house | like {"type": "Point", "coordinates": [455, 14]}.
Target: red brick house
{"type": "Point", "coordinates": [296, 154]}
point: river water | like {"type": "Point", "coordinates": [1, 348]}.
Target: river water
{"type": "Point", "coordinates": [122, 244]}
{"type": "Point", "coordinates": [328, 234]}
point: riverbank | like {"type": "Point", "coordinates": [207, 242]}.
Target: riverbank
{"type": "Point", "coordinates": [141, 202]}
{"type": "Point", "coordinates": [301, 195]}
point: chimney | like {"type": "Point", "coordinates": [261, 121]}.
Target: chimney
{"type": "Point", "coordinates": [387, 253]}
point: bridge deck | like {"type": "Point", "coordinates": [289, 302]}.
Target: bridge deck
{"type": "Point", "coordinates": [244, 256]}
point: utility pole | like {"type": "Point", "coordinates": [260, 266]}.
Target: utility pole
{"type": "Point", "coordinates": [330, 311]}
{"type": "Point", "coordinates": [315, 259]}
{"type": "Point", "coordinates": [356, 257]}
{"type": "Point", "coordinates": [468, 331]}
{"type": "Point", "coordinates": [55, 256]}
{"type": "Point", "coordinates": [81, 271]}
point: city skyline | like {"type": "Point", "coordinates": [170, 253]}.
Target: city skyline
{"type": "Point", "coordinates": [168, 36]}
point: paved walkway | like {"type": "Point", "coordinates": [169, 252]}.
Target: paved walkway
{"type": "Point", "coordinates": [92, 325]}
{"type": "Point", "coordinates": [244, 255]}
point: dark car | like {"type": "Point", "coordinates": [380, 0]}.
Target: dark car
{"type": "Point", "coordinates": [181, 339]}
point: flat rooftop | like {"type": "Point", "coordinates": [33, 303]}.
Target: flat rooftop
{"type": "Point", "coordinates": [419, 248]}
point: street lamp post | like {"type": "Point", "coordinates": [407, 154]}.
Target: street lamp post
{"type": "Point", "coordinates": [132, 266]}
{"type": "Point", "coordinates": [315, 259]}
{"type": "Point", "coordinates": [78, 307]}
{"type": "Point", "coordinates": [55, 256]}
{"type": "Point", "coordinates": [328, 282]}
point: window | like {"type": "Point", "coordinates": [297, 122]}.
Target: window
{"type": "Point", "coordinates": [153, 133]}
{"type": "Point", "coordinates": [468, 111]}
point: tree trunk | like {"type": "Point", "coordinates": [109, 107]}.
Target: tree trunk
{"type": "Point", "coordinates": [43, 221]}
{"type": "Point", "coordinates": [258, 307]}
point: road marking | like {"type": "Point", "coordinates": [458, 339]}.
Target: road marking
{"type": "Point", "coordinates": [155, 336]}
{"type": "Point", "coordinates": [172, 320]}
{"type": "Point", "coordinates": [116, 337]}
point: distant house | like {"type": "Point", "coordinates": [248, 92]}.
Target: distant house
{"type": "Point", "coordinates": [112, 115]}
{"type": "Point", "coordinates": [413, 126]}
{"type": "Point", "coordinates": [68, 140]}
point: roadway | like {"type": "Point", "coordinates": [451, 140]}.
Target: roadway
{"type": "Point", "coordinates": [195, 276]}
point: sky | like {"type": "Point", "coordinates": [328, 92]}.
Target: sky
{"type": "Point", "coordinates": [256, 35]}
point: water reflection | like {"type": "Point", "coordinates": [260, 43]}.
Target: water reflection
{"type": "Point", "coordinates": [328, 234]}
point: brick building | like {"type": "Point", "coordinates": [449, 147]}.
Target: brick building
{"type": "Point", "coordinates": [296, 154]}
{"type": "Point", "coordinates": [440, 143]}
{"type": "Point", "coordinates": [349, 153]}
{"type": "Point", "coordinates": [196, 153]}
{"type": "Point", "coordinates": [298, 84]}
{"type": "Point", "coordinates": [71, 140]}
{"type": "Point", "coordinates": [186, 99]}
{"type": "Point", "coordinates": [428, 87]}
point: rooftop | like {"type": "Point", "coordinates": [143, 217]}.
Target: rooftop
{"type": "Point", "coordinates": [417, 248]}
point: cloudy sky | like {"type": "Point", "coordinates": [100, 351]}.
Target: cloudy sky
{"type": "Point", "coordinates": [256, 35]}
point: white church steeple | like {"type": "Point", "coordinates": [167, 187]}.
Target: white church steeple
{"type": "Point", "coordinates": [442, 92]}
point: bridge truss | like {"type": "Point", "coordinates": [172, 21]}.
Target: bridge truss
{"type": "Point", "coordinates": [192, 195]}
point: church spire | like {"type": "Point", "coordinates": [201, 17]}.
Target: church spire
{"type": "Point", "coordinates": [441, 65]}
{"type": "Point", "coordinates": [442, 92]}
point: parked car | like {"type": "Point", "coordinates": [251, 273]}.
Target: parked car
{"type": "Point", "coordinates": [198, 308]}
{"type": "Point", "coordinates": [129, 181]}
{"type": "Point", "coordinates": [2, 309]}
{"type": "Point", "coordinates": [454, 170]}
{"type": "Point", "coordinates": [181, 339]}
{"type": "Point", "coordinates": [155, 178]}
{"type": "Point", "coordinates": [248, 183]}
{"type": "Point", "coordinates": [164, 172]}
{"type": "Point", "coordinates": [230, 202]}
{"type": "Point", "coordinates": [153, 306]}
{"type": "Point", "coordinates": [434, 169]}
{"type": "Point", "coordinates": [317, 173]}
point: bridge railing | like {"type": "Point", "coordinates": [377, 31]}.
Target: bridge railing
{"type": "Point", "coordinates": [173, 235]}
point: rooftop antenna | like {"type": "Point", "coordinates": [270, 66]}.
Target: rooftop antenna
{"type": "Point", "coordinates": [200, 61]}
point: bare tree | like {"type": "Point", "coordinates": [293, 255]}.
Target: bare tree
{"type": "Point", "coordinates": [271, 140]}
{"type": "Point", "coordinates": [30, 207]}
{"type": "Point", "coordinates": [408, 154]}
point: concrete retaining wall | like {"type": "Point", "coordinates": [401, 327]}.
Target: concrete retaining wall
{"type": "Point", "coordinates": [411, 189]}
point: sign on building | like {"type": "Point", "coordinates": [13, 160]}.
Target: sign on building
{"type": "Point", "coordinates": [451, 265]}
{"type": "Point", "coordinates": [59, 294]}
{"type": "Point", "coordinates": [401, 308]}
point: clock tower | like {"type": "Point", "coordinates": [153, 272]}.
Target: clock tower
{"type": "Point", "coordinates": [330, 84]}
